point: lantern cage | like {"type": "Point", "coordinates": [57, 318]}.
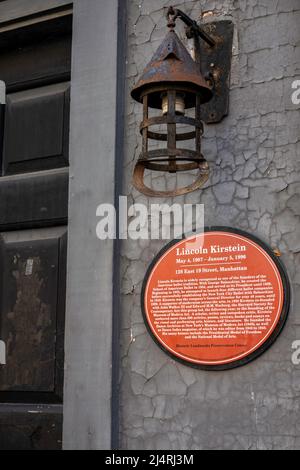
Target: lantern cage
{"type": "Point", "coordinates": [173, 158]}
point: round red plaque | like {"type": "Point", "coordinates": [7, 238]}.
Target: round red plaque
{"type": "Point", "coordinates": [216, 300]}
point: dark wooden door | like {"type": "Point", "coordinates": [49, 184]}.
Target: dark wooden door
{"type": "Point", "coordinates": [35, 64]}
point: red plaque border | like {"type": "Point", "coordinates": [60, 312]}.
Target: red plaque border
{"type": "Point", "coordinates": [266, 344]}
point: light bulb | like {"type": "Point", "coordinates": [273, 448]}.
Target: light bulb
{"type": "Point", "coordinates": [179, 104]}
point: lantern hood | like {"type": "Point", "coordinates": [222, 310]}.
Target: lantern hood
{"type": "Point", "coordinates": [172, 67]}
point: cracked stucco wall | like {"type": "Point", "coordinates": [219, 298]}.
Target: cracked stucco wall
{"type": "Point", "coordinates": [254, 155]}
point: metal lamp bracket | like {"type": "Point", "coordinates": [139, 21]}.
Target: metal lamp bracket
{"type": "Point", "coordinates": [213, 45]}
{"type": "Point", "coordinates": [216, 61]}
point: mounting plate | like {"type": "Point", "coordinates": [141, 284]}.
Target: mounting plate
{"type": "Point", "coordinates": [217, 61]}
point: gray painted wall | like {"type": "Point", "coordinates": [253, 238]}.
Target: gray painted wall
{"type": "Point", "coordinates": [254, 185]}
{"type": "Point", "coordinates": [15, 9]}
{"type": "Point", "coordinates": [87, 400]}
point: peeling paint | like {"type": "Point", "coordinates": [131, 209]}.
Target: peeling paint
{"type": "Point", "coordinates": [255, 186]}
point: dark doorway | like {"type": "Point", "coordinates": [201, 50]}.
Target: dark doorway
{"type": "Point", "coordinates": [35, 64]}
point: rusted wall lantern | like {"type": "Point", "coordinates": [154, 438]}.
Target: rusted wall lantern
{"type": "Point", "coordinates": [172, 83]}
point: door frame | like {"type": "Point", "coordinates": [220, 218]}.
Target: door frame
{"type": "Point", "coordinates": [91, 393]}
